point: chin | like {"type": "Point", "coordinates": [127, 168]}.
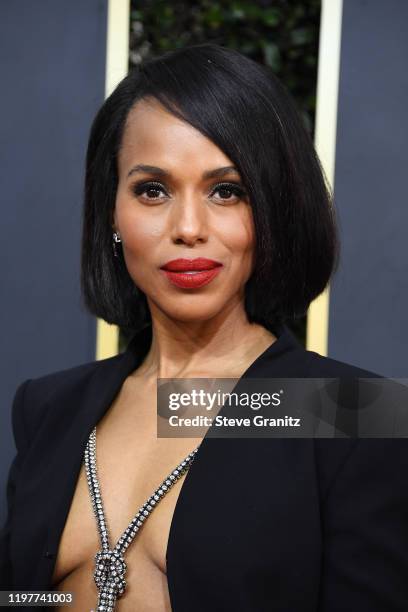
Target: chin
{"type": "Point", "coordinates": [190, 313]}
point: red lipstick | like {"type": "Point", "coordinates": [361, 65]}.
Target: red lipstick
{"type": "Point", "coordinates": [191, 273]}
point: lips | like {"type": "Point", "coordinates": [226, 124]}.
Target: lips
{"type": "Point", "coordinates": [191, 265]}
{"type": "Point", "coordinates": [191, 273]}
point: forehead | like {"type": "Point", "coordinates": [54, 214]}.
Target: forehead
{"type": "Point", "coordinates": [152, 133]}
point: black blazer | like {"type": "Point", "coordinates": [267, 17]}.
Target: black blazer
{"type": "Point", "coordinates": [277, 525]}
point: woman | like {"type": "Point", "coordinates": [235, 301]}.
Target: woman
{"type": "Point", "coordinates": [199, 161]}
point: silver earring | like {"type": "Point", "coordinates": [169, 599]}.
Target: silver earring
{"type": "Point", "coordinates": [116, 239]}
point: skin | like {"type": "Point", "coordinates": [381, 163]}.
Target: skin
{"type": "Point", "coordinates": [202, 331]}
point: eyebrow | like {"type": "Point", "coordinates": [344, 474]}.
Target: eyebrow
{"type": "Point", "coordinates": [214, 173]}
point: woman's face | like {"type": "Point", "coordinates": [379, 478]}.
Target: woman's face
{"type": "Point", "coordinates": [175, 211]}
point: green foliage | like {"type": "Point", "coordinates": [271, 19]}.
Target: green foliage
{"type": "Point", "coordinates": [283, 34]}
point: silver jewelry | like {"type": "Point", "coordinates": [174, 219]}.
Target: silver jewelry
{"type": "Point", "coordinates": [110, 566]}
{"type": "Point", "coordinates": [116, 239]}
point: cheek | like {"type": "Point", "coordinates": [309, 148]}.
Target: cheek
{"type": "Point", "coordinates": [142, 238]}
{"type": "Point", "coordinates": [239, 234]}
{"type": "Point", "coordinates": [140, 231]}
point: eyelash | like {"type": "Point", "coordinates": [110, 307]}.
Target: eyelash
{"type": "Point", "coordinates": [140, 188]}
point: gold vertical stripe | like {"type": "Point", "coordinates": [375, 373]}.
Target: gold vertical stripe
{"type": "Point", "coordinates": [117, 44]}
{"type": "Point", "coordinates": [117, 54]}
{"type": "Point", "coordinates": [317, 331]}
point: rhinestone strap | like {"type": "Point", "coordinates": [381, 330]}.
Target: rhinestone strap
{"type": "Point", "coordinates": [110, 566]}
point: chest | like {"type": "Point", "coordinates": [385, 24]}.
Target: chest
{"type": "Point", "coordinates": [131, 464]}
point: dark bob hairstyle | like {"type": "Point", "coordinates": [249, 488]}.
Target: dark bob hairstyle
{"type": "Point", "coordinates": [244, 109]}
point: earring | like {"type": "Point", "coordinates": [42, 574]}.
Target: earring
{"type": "Point", "coordinates": [116, 239]}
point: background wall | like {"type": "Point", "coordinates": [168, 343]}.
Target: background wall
{"type": "Point", "coordinates": [53, 80]}
{"type": "Point", "coordinates": [368, 321]}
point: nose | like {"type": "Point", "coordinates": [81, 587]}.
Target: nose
{"type": "Point", "coordinates": [189, 221]}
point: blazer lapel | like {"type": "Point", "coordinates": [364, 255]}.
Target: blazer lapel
{"type": "Point", "coordinates": [91, 402]}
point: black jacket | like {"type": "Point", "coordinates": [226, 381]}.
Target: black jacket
{"type": "Point", "coordinates": [277, 525]}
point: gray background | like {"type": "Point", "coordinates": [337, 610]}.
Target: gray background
{"type": "Point", "coordinates": [369, 295]}
{"type": "Point", "coordinates": [53, 79]}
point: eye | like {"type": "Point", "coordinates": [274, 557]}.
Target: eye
{"type": "Point", "coordinates": [226, 189]}
{"type": "Point", "coordinates": [151, 187]}
{"type": "Point", "coordinates": [152, 190]}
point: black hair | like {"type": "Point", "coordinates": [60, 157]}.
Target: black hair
{"type": "Point", "coordinates": [243, 108]}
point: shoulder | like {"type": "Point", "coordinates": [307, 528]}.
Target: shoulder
{"type": "Point", "coordinates": [34, 396]}
{"type": "Point", "coordinates": [358, 470]}
{"type": "Point", "coordinates": [336, 457]}
{"type": "Point", "coordinates": [325, 367]}
{"type": "Point", "coordinates": [290, 358]}
{"type": "Point", "coordinates": [46, 386]}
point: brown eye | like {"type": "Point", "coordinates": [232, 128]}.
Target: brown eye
{"type": "Point", "coordinates": [225, 190]}
{"type": "Point", "coordinates": [152, 189]}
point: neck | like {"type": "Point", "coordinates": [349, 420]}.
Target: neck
{"type": "Point", "coordinates": [213, 348]}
